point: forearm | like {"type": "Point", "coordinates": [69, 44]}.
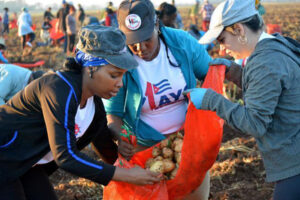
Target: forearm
{"type": "Point", "coordinates": [114, 124]}
{"type": "Point", "coordinates": [234, 74]}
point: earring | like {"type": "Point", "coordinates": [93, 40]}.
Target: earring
{"type": "Point", "coordinates": [91, 72]}
{"type": "Point", "coordinates": [243, 40]}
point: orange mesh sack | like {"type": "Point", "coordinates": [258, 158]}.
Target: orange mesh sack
{"type": "Point", "coordinates": [201, 143]}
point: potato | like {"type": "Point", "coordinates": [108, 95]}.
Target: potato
{"type": "Point", "coordinates": [149, 162]}
{"type": "Point", "coordinates": [167, 152]}
{"type": "Point", "coordinates": [158, 158]}
{"type": "Point", "coordinates": [178, 157]}
{"type": "Point", "coordinates": [157, 166]}
{"type": "Point", "coordinates": [177, 143]}
{"type": "Point", "coordinates": [168, 165]}
{"type": "Point", "coordinates": [173, 173]}
{"type": "Point", "coordinates": [165, 143]}
{"type": "Point", "coordinates": [156, 152]}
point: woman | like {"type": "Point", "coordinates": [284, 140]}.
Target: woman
{"type": "Point", "coordinates": [24, 28]}
{"type": "Point", "coordinates": [43, 122]}
{"type": "Point", "coordinates": [71, 29]}
{"type": "Point", "coordinates": [151, 101]}
{"type": "Point", "coordinates": [167, 13]}
{"type": "Point", "coordinates": [271, 91]}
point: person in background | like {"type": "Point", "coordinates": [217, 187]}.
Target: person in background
{"type": "Point", "coordinates": [5, 21]}
{"type": "Point", "coordinates": [45, 33]}
{"type": "Point", "coordinates": [259, 7]}
{"type": "Point", "coordinates": [194, 11]}
{"type": "Point", "coordinates": [179, 23]}
{"type": "Point", "coordinates": [81, 15]}
{"type": "Point", "coordinates": [167, 14]}
{"type": "Point", "coordinates": [2, 49]}
{"type": "Point", "coordinates": [111, 17]}
{"type": "Point", "coordinates": [91, 20]}
{"type": "Point", "coordinates": [71, 29]}
{"type": "Point", "coordinates": [206, 10]}
{"type": "Point", "coordinates": [169, 61]}
{"type": "Point", "coordinates": [48, 14]}
{"type": "Point", "coordinates": [57, 115]}
{"type": "Point", "coordinates": [13, 79]}
{"type": "Point", "coordinates": [271, 90]}
{"type": "Point", "coordinates": [197, 34]}
{"type": "Point", "coordinates": [61, 25]}
{"type": "Point", "coordinates": [24, 28]}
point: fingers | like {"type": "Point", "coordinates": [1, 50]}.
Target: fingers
{"type": "Point", "coordinates": [126, 150]}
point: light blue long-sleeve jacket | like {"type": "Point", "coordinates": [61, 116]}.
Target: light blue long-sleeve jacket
{"type": "Point", "coordinates": [24, 24]}
{"type": "Point", "coordinates": [271, 92]}
{"type": "Point", "coordinates": [193, 60]}
{"type": "Point", "coordinates": [12, 79]}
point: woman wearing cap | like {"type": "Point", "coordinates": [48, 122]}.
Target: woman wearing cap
{"type": "Point", "coordinates": [43, 122]}
{"type": "Point", "coordinates": [151, 101]}
{"type": "Point", "coordinates": [271, 91]}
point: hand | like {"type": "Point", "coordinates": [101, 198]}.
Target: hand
{"type": "Point", "coordinates": [125, 149]}
{"type": "Point", "coordinates": [137, 176]}
{"type": "Point", "coordinates": [196, 96]}
{"type": "Point", "coordinates": [221, 61]}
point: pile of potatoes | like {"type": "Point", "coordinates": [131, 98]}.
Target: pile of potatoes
{"type": "Point", "coordinates": [166, 156]}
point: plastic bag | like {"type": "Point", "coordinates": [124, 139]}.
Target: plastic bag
{"type": "Point", "coordinates": [202, 140]}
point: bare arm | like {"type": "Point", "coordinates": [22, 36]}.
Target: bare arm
{"type": "Point", "coordinates": [114, 124]}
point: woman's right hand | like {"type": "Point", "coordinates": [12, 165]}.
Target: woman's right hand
{"type": "Point", "coordinates": [125, 149]}
{"type": "Point", "coordinates": [137, 176]}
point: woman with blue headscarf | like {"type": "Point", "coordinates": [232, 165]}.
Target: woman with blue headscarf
{"type": "Point", "coordinates": [47, 124]}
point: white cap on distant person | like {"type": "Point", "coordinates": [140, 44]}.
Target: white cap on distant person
{"type": "Point", "coordinates": [228, 13]}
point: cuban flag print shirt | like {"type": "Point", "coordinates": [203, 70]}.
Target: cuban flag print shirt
{"type": "Point", "coordinates": [163, 105]}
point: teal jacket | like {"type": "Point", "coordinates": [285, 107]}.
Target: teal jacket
{"type": "Point", "coordinates": [193, 60]}
{"type": "Point", "coordinates": [12, 79]}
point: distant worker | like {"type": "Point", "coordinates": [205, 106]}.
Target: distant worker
{"type": "Point", "coordinates": [24, 28]}
{"type": "Point", "coordinates": [81, 15]}
{"type": "Point", "coordinates": [167, 14]}
{"type": "Point", "coordinates": [2, 48]}
{"type": "Point", "coordinates": [48, 14]}
{"type": "Point", "coordinates": [179, 23]}
{"type": "Point", "coordinates": [5, 21]}
{"type": "Point", "coordinates": [206, 11]}
{"type": "Point", "coordinates": [194, 13]}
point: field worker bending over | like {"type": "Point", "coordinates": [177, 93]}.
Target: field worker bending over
{"type": "Point", "coordinates": [271, 90]}
{"type": "Point", "coordinates": [57, 115]}
{"type": "Point", "coordinates": [151, 101]}
{"type": "Point", "coordinates": [13, 79]}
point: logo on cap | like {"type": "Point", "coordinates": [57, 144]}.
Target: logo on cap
{"type": "Point", "coordinates": [133, 22]}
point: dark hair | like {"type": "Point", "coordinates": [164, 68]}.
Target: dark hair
{"type": "Point", "coordinates": [166, 9]}
{"type": "Point", "coordinates": [255, 23]}
{"type": "Point", "coordinates": [71, 64]}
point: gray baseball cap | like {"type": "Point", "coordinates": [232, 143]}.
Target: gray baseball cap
{"type": "Point", "coordinates": [228, 13]}
{"type": "Point", "coordinates": [107, 43]}
{"type": "Point", "coordinates": [137, 20]}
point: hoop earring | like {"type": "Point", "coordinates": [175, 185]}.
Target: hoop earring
{"type": "Point", "coordinates": [243, 40]}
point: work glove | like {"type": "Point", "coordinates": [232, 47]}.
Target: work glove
{"type": "Point", "coordinates": [196, 96]}
{"type": "Point", "coordinates": [221, 61]}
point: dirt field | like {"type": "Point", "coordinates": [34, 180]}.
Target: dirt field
{"type": "Point", "coordinates": [238, 173]}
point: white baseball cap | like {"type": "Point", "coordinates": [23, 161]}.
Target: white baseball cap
{"type": "Point", "coordinates": [227, 13]}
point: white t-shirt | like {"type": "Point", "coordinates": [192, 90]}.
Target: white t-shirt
{"type": "Point", "coordinates": [163, 106]}
{"type": "Point", "coordinates": [83, 119]}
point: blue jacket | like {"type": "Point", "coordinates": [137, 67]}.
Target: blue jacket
{"type": "Point", "coordinates": [271, 114]}
{"type": "Point", "coordinates": [193, 60]}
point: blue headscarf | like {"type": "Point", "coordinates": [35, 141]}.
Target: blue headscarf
{"type": "Point", "coordinates": [86, 60]}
